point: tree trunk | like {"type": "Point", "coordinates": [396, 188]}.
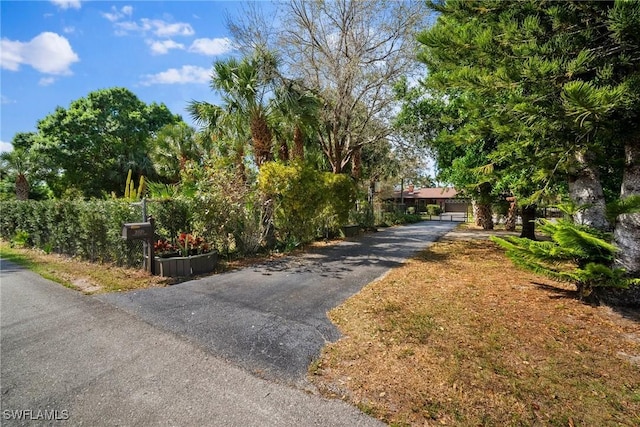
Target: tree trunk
{"type": "Point", "coordinates": [528, 222]}
{"type": "Point", "coordinates": [627, 239]}
{"type": "Point", "coordinates": [298, 144]}
{"type": "Point", "coordinates": [356, 170]}
{"type": "Point", "coordinates": [483, 212]}
{"type": "Point", "coordinates": [240, 169]}
{"type": "Point", "coordinates": [585, 189]}
{"type": "Point", "coordinates": [283, 153]}
{"type": "Point", "coordinates": [266, 218]}
{"type": "Point", "coordinates": [484, 216]}
{"type": "Point", "coordinates": [627, 231]}
{"type": "Point", "coordinates": [512, 215]}
{"type": "Point", "coordinates": [261, 138]}
{"type": "Point", "coordinates": [22, 187]}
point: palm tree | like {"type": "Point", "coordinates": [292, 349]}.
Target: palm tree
{"type": "Point", "coordinates": [18, 163]}
{"type": "Point", "coordinates": [223, 132]}
{"type": "Point", "coordinates": [175, 145]}
{"type": "Point", "coordinates": [297, 111]}
{"type": "Point", "coordinates": [244, 86]}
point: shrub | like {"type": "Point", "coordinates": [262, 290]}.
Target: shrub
{"type": "Point", "coordinates": [86, 229]}
{"type": "Point", "coordinates": [222, 205]}
{"type": "Point", "coordinates": [172, 215]}
{"type": "Point", "coordinates": [434, 210]}
{"type": "Point", "coordinates": [306, 203]}
{"type": "Point", "coordinates": [575, 253]}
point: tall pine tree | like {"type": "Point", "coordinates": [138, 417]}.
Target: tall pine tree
{"type": "Point", "coordinates": [557, 85]}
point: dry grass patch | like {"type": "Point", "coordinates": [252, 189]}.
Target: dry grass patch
{"type": "Point", "coordinates": [89, 278]}
{"type": "Point", "coordinates": [458, 336]}
{"type": "Point", "coordinates": [92, 278]}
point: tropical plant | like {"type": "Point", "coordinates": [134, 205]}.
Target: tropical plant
{"type": "Point", "coordinates": [556, 85]}
{"type": "Point", "coordinates": [174, 145]}
{"type": "Point", "coordinates": [16, 163]}
{"type": "Point", "coordinates": [295, 117]}
{"type": "Point", "coordinates": [574, 253]}
{"type": "Point", "coordinates": [185, 244]}
{"type": "Point", "coordinates": [22, 169]}
{"type": "Point", "coordinates": [244, 85]}
{"type": "Point", "coordinates": [130, 190]}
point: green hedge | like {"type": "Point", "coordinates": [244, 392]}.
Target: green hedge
{"type": "Point", "coordinates": [389, 219]}
{"type": "Point", "coordinates": [434, 210]}
{"type": "Point", "coordinates": [307, 203]}
{"type": "Point", "coordinates": [86, 229]}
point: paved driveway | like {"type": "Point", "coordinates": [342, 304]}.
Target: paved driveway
{"type": "Point", "coordinates": [271, 319]}
{"type": "Point", "coordinates": [71, 360]}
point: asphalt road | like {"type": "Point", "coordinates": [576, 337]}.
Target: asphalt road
{"type": "Point", "coordinates": [184, 355]}
{"type": "Point", "coordinates": [71, 360]}
{"type": "Point", "coordinates": [271, 319]}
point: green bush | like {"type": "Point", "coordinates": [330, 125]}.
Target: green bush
{"type": "Point", "coordinates": [434, 210]}
{"type": "Point", "coordinates": [222, 206]}
{"type": "Point", "coordinates": [86, 229]}
{"type": "Point", "coordinates": [306, 203]}
{"type": "Point", "coordinates": [397, 218]}
{"type": "Point", "coordinates": [363, 215]}
{"type": "Point", "coordinates": [574, 253]}
{"type": "Point", "coordinates": [339, 200]}
{"type": "Point", "coordinates": [172, 216]}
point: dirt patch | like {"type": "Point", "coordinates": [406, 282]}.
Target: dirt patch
{"type": "Point", "coordinates": [85, 285]}
{"type": "Point", "coordinates": [458, 336]}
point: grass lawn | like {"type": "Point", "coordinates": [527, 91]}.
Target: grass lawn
{"type": "Point", "coordinates": [458, 336]}
{"type": "Point", "coordinates": [89, 278]}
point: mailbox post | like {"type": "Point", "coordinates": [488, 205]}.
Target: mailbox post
{"type": "Point", "coordinates": [142, 231]}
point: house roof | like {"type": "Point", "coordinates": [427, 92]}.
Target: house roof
{"type": "Point", "coordinates": [428, 193]}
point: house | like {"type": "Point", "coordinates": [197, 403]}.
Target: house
{"type": "Point", "coordinates": [419, 198]}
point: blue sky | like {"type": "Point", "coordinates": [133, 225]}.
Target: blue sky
{"type": "Point", "coordinates": [54, 52]}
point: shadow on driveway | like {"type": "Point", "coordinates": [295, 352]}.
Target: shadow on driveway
{"type": "Point", "coordinates": [271, 318]}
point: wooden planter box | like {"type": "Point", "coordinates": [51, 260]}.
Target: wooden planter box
{"type": "Point", "coordinates": [186, 266]}
{"type": "Point", "coordinates": [350, 230]}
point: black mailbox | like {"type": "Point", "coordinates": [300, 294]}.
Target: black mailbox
{"type": "Point", "coordinates": [137, 231]}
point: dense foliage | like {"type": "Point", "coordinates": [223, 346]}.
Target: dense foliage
{"type": "Point", "coordinates": [536, 100]}
{"type": "Point", "coordinates": [91, 145]}
{"type": "Point", "coordinates": [86, 229]}
{"type": "Point", "coordinates": [575, 253]}
{"type": "Point", "coordinates": [307, 203]}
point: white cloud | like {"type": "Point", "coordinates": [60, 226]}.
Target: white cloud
{"type": "Point", "coordinates": [116, 15]}
{"type": "Point", "coordinates": [126, 27]}
{"type": "Point", "coordinates": [164, 29]}
{"type": "Point", "coordinates": [67, 4]}
{"type": "Point", "coordinates": [7, 100]}
{"type": "Point", "coordinates": [46, 81]}
{"type": "Point", "coordinates": [158, 27]}
{"type": "Point", "coordinates": [212, 47]}
{"type": "Point", "coordinates": [161, 47]}
{"type": "Point", "coordinates": [49, 53]}
{"type": "Point", "coordinates": [5, 146]}
{"type": "Point", "coordinates": [184, 75]}
{"type": "Point", "coordinates": [69, 30]}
